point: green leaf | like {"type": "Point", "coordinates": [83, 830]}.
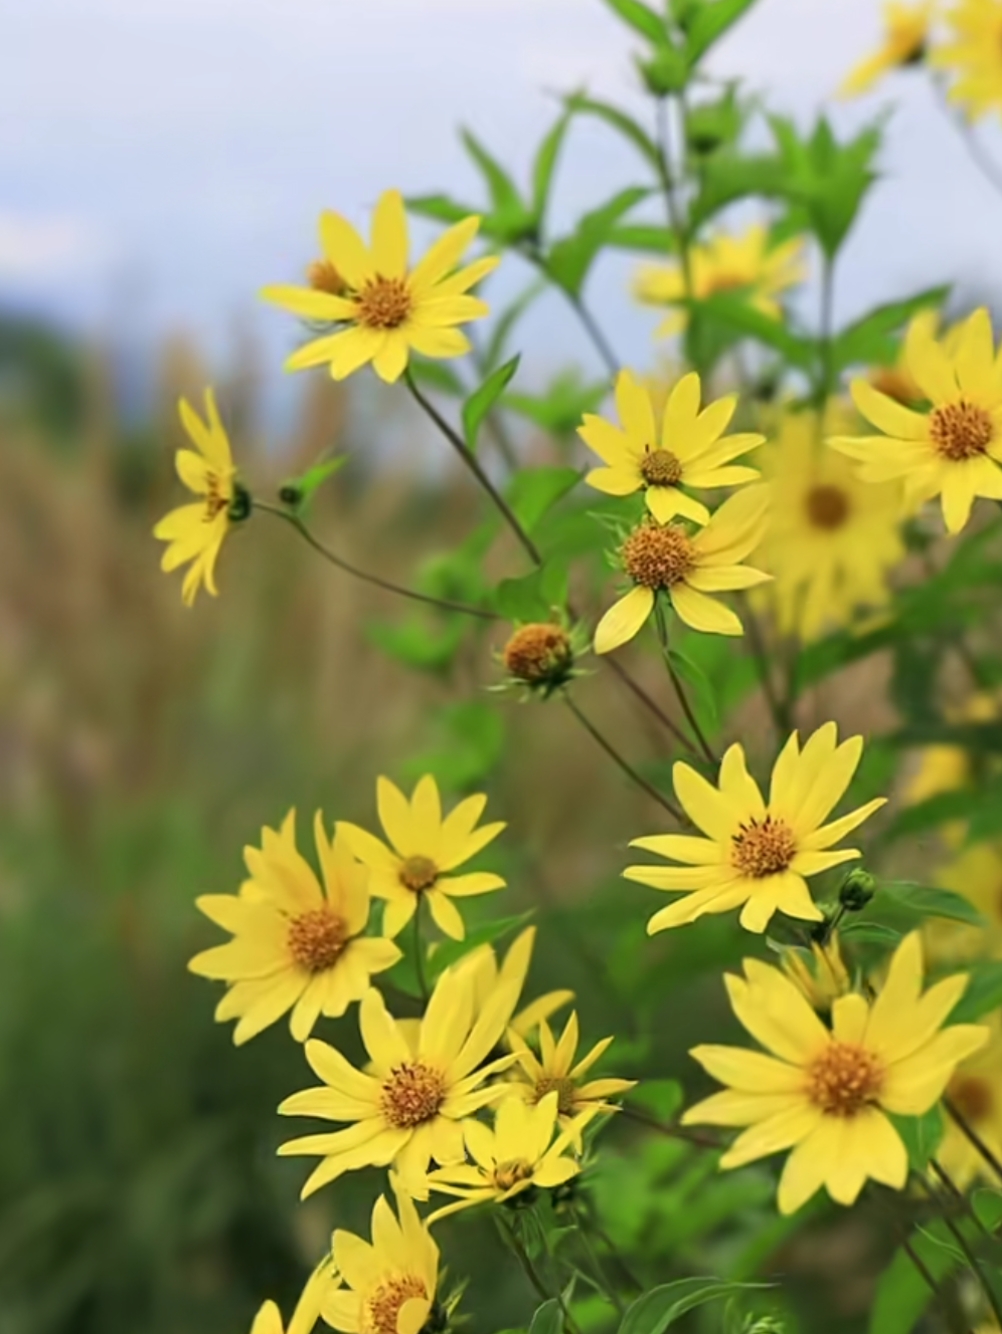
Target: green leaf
{"type": "Point", "coordinates": [448, 952]}
{"type": "Point", "coordinates": [701, 696]}
{"type": "Point", "coordinates": [903, 1294]}
{"type": "Point", "coordinates": [983, 994]}
{"type": "Point", "coordinates": [728, 176]}
{"type": "Point", "coordinates": [738, 315]}
{"type": "Point", "coordinates": [570, 258]}
{"type": "Point", "coordinates": [663, 1097]}
{"type": "Point", "coordinates": [543, 167]}
{"type": "Point", "coordinates": [535, 490]}
{"type": "Point", "coordinates": [439, 207]}
{"type": "Point", "coordinates": [505, 198]}
{"type": "Point", "coordinates": [304, 486]}
{"type": "Point", "coordinates": [869, 340]}
{"type": "Point", "coordinates": [480, 402]}
{"type": "Point", "coordinates": [437, 375]}
{"type": "Point", "coordinates": [926, 902]}
{"type": "Point", "coordinates": [548, 1318]}
{"type": "Point", "coordinates": [641, 19]}
{"type": "Point", "coordinates": [987, 1205]}
{"type": "Point", "coordinates": [581, 104]}
{"type": "Point", "coordinates": [709, 23]}
{"type": "Point", "coordinates": [643, 236]}
{"type": "Point", "coordinates": [534, 596]}
{"type": "Point", "coordinates": [826, 179]}
{"type": "Point", "coordinates": [921, 1135]}
{"type": "Point", "coordinates": [660, 1308]}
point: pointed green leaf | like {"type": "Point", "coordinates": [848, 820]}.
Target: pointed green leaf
{"type": "Point", "coordinates": [297, 491]}
{"type": "Point", "coordinates": [570, 258]}
{"type": "Point", "coordinates": [535, 490]}
{"type": "Point", "coordinates": [543, 167]}
{"type": "Point", "coordinates": [709, 23]}
{"type": "Point", "coordinates": [870, 339]}
{"type": "Point", "coordinates": [641, 19]}
{"type": "Point", "coordinates": [983, 994]}
{"type": "Point", "coordinates": [924, 901]}
{"type": "Point", "coordinates": [660, 1308]}
{"type": "Point", "coordinates": [581, 104]}
{"type": "Point", "coordinates": [737, 315]}
{"type": "Point", "coordinates": [504, 194]}
{"type": "Point", "coordinates": [480, 402]}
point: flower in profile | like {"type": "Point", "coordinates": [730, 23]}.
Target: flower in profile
{"type": "Point", "coordinates": [976, 1092]}
{"type": "Point", "coordinates": [688, 449]}
{"type": "Point", "coordinates": [318, 1286]}
{"type": "Point", "coordinates": [906, 34]}
{"type": "Point", "coordinates": [825, 1092]}
{"type": "Point", "coordinates": [423, 850]}
{"type": "Point", "coordinates": [410, 1109]}
{"type": "Point", "coordinates": [518, 1155]}
{"type": "Point", "coordinates": [973, 57]}
{"type": "Point", "coordinates": [384, 309]}
{"type": "Point", "coordinates": [954, 449]}
{"type": "Point", "coordinates": [747, 264]}
{"type": "Point", "coordinates": [821, 975]}
{"type": "Point", "coordinates": [831, 539]}
{"type": "Point", "coordinates": [390, 1282]}
{"type": "Point", "coordinates": [757, 855]}
{"type": "Point", "coordinates": [297, 945]}
{"type": "Point", "coordinates": [555, 1070]}
{"type": "Point", "coordinates": [196, 532]}
{"type": "Point", "coordinates": [667, 559]}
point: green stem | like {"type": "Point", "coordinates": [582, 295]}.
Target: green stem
{"type": "Point", "coordinates": [693, 721]}
{"type": "Point", "coordinates": [972, 1260]}
{"type": "Point", "coordinates": [531, 1273]}
{"type": "Point", "coordinates": [676, 222]}
{"type": "Point", "coordinates": [623, 764]}
{"type": "Point", "coordinates": [598, 1272]}
{"type": "Point", "coordinates": [825, 345]}
{"type": "Point", "coordinates": [695, 1137]}
{"type": "Point", "coordinates": [422, 980]}
{"type": "Point", "coordinates": [779, 707]}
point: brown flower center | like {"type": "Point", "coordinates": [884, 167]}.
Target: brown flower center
{"type": "Point", "coordinates": [537, 653]}
{"type": "Point", "coordinates": [660, 467]}
{"type": "Point", "coordinates": [509, 1174]}
{"type": "Point", "coordinates": [973, 1096]}
{"type": "Point", "coordinates": [763, 847]}
{"type": "Point", "coordinates": [215, 497]}
{"type": "Point", "coordinates": [317, 939]}
{"type": "Point", "coordinates": [412, 1095]}
{"type": "Point", "coordinates": [565, 1089]}
{"type": "Point", "coordinates": [844, 1079]}
{"type": "Point", "coordinates": [324, 277]}
{"type": "Point", "coordinates": [658, 557]}
{"type": "Point", "coordinates": [418, 873]}
{"type": "Point", "coordinates": [961, 430]}
{"type": "Point", "coordinates": [383, 1306]}
{"type": "Point", "coordinates": [827, 506]}
{"type": "Point", "coordinates": [384, 303]}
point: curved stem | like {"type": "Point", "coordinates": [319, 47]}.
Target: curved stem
{"type": "Point", "coordinates": [531, 1273]}
{"type": "Point", "coordinates": [695, 1137]}
{"type": "Point", "coordinates": [627, 768]}
{"type": "Point", "coordinates": [683, 699]}
{"type": "Point", "coordinates": [443, 604]}
{"type": "Point", "coordinates": [641, 694]}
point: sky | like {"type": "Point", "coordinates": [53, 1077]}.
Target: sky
{"type": "Point", "coordinates": [160, 160]}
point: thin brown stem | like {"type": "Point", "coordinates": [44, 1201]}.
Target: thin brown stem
{"type": "Point", "coordinates": [634, 686]}
{"type": "Point", "coordinates": [968, 1131]}
{"type": "Point", "coordinates": [778, 707]}
{"type": "Point", "coordinates": [683, 699]}
{"type": "Point", "coordinates": [957, 1234]}
{"type": "Point", "coordinates": [954, 1319]}
{"type": "Point", "coordinates": [674, 1131]}
{"type": "Point", "coordinates": [623, 764]}
{"type": "Point", "coordinates": [419, 969]}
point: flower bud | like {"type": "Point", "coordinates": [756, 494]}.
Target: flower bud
{"type": "Point", "coordinates": [858, 888]}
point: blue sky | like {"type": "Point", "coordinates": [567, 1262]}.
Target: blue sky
{"type": "Point", "coordinates": [167, 157]}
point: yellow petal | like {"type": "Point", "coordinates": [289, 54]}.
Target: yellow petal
{"type": "Point", "coordinates": [704, 613]}
{"type": "Point", "coordinates": [624, 620]}
{"type": "Point", "coordinates": [345, 249]}
{"type": "Point", "coordinates": [389, 235]}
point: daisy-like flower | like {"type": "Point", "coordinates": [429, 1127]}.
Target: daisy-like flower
{"type": "Point", "coordinates": [725, 263]}
{"type": "Point", "coordinates": [826, 1092]}
{"type": "Point", "coordinates": [481, 967]}
{"type": "Point", "coordinates": [976, 1092]}
{"type": "Point", "coordinates": [689, 449]}
{"type": "Point", "coordinates": [391, 1282]}
{"type": "Point", "coordinates": [411, 1108]}
{"type": "Point", "coordinates": [318, 1286]}
{"type": "Point", "coordinates": [384, 309]}
{"type": "Point", "coordinates": [196, 532]}
{"type": "Point", "coordinates": [954, 449]}
{"type": "Point", "coordinates": [296, 945]}
{"type": "Point", "coordinates": [974, 56]}
{"type": "Point", "coordinates": [666, 558]}
{"type": "Point", "coordinates": [906, 34]}
{"type": "Point", "coordinates": [555, 1070]}
{"type": "Point", "coordinates": [423, 851]}
{"type": "Point", "coordinates": [518, 1154]}
{"type": "Point", "coordinates": [831, 539]}
{"type": "Point", "coordinates": [755, 854]}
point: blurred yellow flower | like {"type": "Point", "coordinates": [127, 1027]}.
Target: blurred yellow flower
{"type": "Point", "coordinates": [748, 263]}
{"type": "Point", "coordinates": [689, 450]}
{"type": "Point", "coordinates": [831, 538]}
{"type": "Point", "coordinates": [387, 309]}
{"type": "Point", "coordinates": [269, 1319]}
{"type": "Point", "coordinates": [976, 1092]}
{"type": "Point", "coordinates": [757, 854]}
{"type": "Point", "coordinates": [411, 1108]}
{"type": "Point", "coordinates": [296, 945]}
{"type": "Point", "coordinates": [423, 849]}
{"type": "Point", "coordinates": [391, 1282]}
{"type": "Point", "coordinates": [906, 33]}
{"type": "Point", "coordinates": [196, 532]}
{"type": "Point", "coordinates": [976, 874]}
{"type": "Point", "coordinates": [944, 768]}
{"type": "Point", "coordinates": [665, 558]}
{"type": "Point", "coordinates": [518, 1154]}
{"type": "Point", "coordinates": [826, 1093]}
{"type": "Point", "coordinates": [974, 56]}
{"type": "Point", "coordinates": [821, 976]}
{"type": "Point", "coordinates": [556, 1071]}
{"type": "Point", "coordinates": [954, 449]}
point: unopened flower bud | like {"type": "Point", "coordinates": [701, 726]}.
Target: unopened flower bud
{"type": "Point", "coordinates": [858, 888]}
{"type": "Point", "coordinates": [240, 505]}
{"type": "Point", "coordinates": [539, 655]}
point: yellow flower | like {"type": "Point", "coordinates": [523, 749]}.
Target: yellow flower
{"type": "Point", "coordinates": [424, 849]}
{"type": "Point", "coordinates": [411, 1108]}
{"type": "Point", "coordinates": [976, 1092]}
{"type": "Point", "coordinates": [196, 532]}
{"type": "Point", "coordinates": [481, 966]}
{"type": "Point", "coordinates": [391, 1282]}
{"type": "Point", "coordinates": [897, 381]}
{"type": "Point", "coordinates": [831, 537]}
{"type": "Point", "coordinates": [826, 1093]}
{"type": "Point", "coordinates": [690, 449]}
{"type": "Point", "coordinates": [906, 32]}
{"type": "Point", "coordinates": [269, 1319]}
{"type": "Point", "coordinates": [726, 264]}
{"type": "Point", "coordinates": [665, 558]}
{"type": "Point", "coordinates": [296, 946]}
{"type": "Point", "coordinates": [824, 978]}
{"type": "Point", "coordinates": [387, 308]}
{"type": "Point", "coordinates": [974, 56]}
{"type": "Point", "coordinates": [954, 449]}
{"type": "Point", "coordinates": [518, 1154]}
{"type": "Point", "coordinates": [944, 768]}
{"type": "Point", "coordinates": [555, 1071]}
{"type": "Point", "coordinates": [757, 854]}
{"type": "Point", "coordinates": [975, 874]}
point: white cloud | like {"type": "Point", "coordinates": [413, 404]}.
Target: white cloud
{"type": "Point", "coordinates": [39, 249]}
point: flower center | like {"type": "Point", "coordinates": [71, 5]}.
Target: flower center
{"type": "Point", "coordinates": [384, 1304]}
{"type": "Point", "coordinates": [418, 873]}
{"type": "Point", "coordinates": [412, 1095]}
{"type": "Point", "coordinates": [763, 847]}
{"type": "Point", "coordinates": [726, 282]}
{"type": "Point", "coordinates": [511, 1173]}
{"type": "Point", "coordinates": [827, 506]}
{"type": "Point", "coordinates": [537, 653]}
{"type": "Point", "coordinates": [324, 277]}
{"type": "Point", "coordinates": [384, 303]}
{"type": "Point", "coordinates": [961, 430]}
{"type": "Point", "coordinates": [565, 1089]}
{"type": "Point", "coordinates": [844, 1079]}
{"type": "Point", "coordinates": [973, 1096]}
{"type": "Point", "coordinates": [317, 939]}
{"type": "Point", "coordinates": [215, 498]}
{"type": "Point", "coordinates": [658, 557]}
{"type": "Point", "coordinates": [660, 467]}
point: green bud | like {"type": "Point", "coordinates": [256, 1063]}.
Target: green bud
{"type": "Point", "coordinates": [241, 505]}
{"type": "Point", "coordinates": [667, 71]}
{"type": "Point", "coordinates": [858, 888]}
{"type": "Point", "coordinates": [291, 494]}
